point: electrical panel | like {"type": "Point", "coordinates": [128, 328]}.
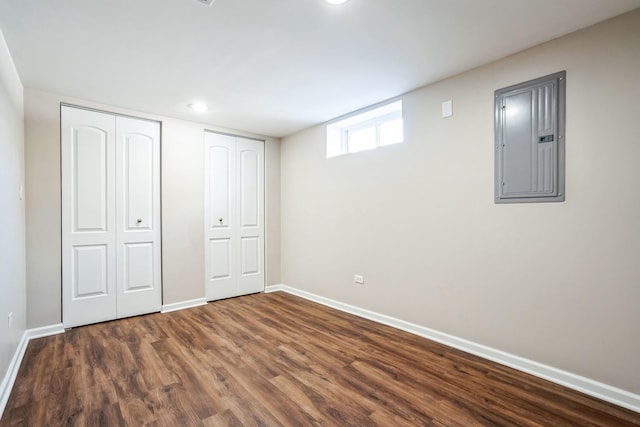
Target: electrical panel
{"type": "Point", "coordinates": [530, 141]}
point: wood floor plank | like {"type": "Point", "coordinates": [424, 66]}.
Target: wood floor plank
{"type": "Point", "coordinates": [278, 360]}
{"type": "Point", "coordinates": [226, 418]}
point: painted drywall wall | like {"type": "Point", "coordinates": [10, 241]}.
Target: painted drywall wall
{"type": "Point", "coordinates": [182, 205]}
{"type": "Point", "coordinates": [272, 207]}
{"type": "Point", "coordinates": [12, 211]}
{"type": "Point", "coordinates": [558, 283]}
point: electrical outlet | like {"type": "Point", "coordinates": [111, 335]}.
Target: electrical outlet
{"type": "Point", "coordinates": [358, 279]}
{"type": "Point", "coordinates": [10, 320]}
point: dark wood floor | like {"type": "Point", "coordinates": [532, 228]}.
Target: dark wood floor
{"type": "Point", "coordinates": [275, 359]}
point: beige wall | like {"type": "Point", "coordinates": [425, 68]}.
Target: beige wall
{"type": "Point", "coordinates": [12, 222]}
{"type": "Point", "coordinates": [182, 205]}
{"type": "Point", "coordinates": [558, 283]}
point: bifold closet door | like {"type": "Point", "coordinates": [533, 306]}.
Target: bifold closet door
{"type": "Point", "coordinates": [234, 216]}
{"type": "Point", "coordinates": [110, 216]}
{"type": "Point", "coordinates": [138, 252]}
{"type": "Point", "coordinates": [88, 217]}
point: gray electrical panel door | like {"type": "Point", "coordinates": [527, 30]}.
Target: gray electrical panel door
{"type": "Point", "coordinates": [529, 141]}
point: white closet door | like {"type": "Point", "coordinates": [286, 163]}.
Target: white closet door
{"type": "Point", "coordinates": [234, 216]}
{"type": "Point", "coordinates": [138, 216]}
{"type": "Point", "coordinates": [250, 191]}
{"type": "Point", "coordinates": [220, 216]}
{"type": "Point", "coordinates": [88, 217]}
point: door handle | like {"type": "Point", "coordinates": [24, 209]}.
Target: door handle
{"type": "Point", "coordinates": [138, 221]}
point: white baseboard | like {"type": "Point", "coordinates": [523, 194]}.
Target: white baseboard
{"type": "Point", "coordinates": [585, 385]}
{"type": "Point", "coordinates": [182, 305]}
{"type": "Point", "coordinates": [45, 331]}
{"type": "Point", "coordinates": [12, 372]}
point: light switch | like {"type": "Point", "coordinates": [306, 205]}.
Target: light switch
{"type": "Point", "coordinates": [21, 191]}
{"type": "Point", "coordinates": [447, 109]}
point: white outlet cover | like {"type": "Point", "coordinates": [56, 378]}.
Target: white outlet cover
{"type": "Point", "coordinates": [447, 109]}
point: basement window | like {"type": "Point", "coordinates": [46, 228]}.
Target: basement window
{"type": "Point", "coordinates": [365, 131]}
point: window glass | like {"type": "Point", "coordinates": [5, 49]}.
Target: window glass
{"type": "Point", "coordinates": [362, 139]}
{"type": "Point", "coordinates": [391, 132]}
{"type": "Point", "coordinates": [373, 128]}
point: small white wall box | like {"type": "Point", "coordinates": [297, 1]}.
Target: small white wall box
{"type": "Point", "coordinates": [447, 109]}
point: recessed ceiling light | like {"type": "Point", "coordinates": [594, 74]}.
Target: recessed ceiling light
{"type": "Point", "coordinates": [336, 1]}
{"type": "Point", "coordinates": [206, 2]}
{"type": "Point", "coordinates": [199, 107]}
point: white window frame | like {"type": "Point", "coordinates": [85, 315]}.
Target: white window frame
{"type": "Point", "coordinates": [338, 132]}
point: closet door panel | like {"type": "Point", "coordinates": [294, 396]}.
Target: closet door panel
{"type": "Point", "coordinates": [88, 220]}
{"type": "Point", "coordinates": [220, 216]}
{"type": "Point", "coordinates": [89, 178]}
{"type": "Point", "coordinates": [220, 181]}
{"type": "Point", "coordinates": [89, 276]}
{"type": "Point", "coordinates": [138, 267]}
{"type": "Point", "coordinates": [138, 216]}
{"type": "Point", "coordinates": [250, 253]}
{"type": "Point", "coordinates": [249, 189]}
{"type": "Point", "coordinates": [251, 206]}
{"type": "Point", "coordinates": [138, 189]}
{"type": "Point", "coordinates": [220, 258]}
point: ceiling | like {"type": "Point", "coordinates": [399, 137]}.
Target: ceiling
{"type": "Point", "coordinates": [271, 67]}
